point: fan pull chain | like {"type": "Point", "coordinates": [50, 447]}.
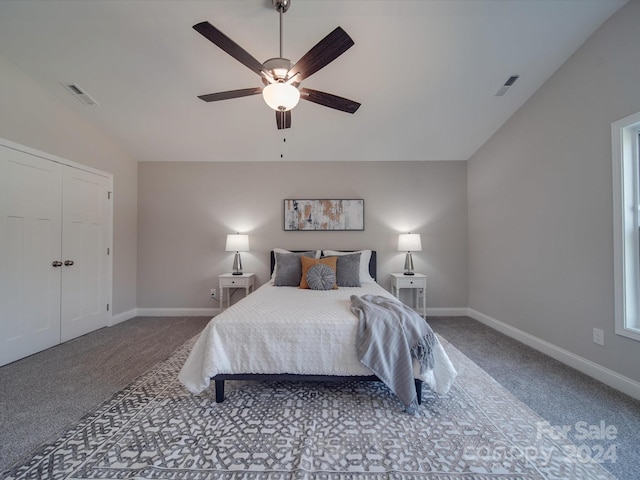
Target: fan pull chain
{"type": "Point", "coordinates": [284, 140]}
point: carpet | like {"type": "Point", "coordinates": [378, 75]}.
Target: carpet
{"type": "Point", "coordinates": [155, 429]}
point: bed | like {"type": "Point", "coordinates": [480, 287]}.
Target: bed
{"type": "Point", "coordinates": [284, 332]}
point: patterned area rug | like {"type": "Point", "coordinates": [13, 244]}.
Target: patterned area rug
{"type": "Point", "coordinates": [154, 429]}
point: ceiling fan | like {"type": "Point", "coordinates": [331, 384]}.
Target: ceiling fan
{"type": "Point", "coordinates": [281, 79]}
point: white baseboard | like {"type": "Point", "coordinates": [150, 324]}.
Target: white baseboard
{"type": "Point", "coordinates": [123, 317]}
{"type": "Point", "coordinates": [608, 377]}
{"type": "Point", "coordinates": [447, 312]}
{"type": "Point", "coordinates": [177, 312]}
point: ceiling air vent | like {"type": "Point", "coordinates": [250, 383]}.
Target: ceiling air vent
{"type": "Point", "coordinates": [507, 85]}
{"type": "Point", "coordinates": [80, 94]}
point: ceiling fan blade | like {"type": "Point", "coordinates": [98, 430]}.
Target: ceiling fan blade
{"type": "Point", "coordinates": [232, 48]}
{"type": "Point", "coordinates": [323, 53]}
{"type": "Point", "coordinates": [329, 100]}
{"type": "Point", "coordinates": [283, 119]}
{"type": "Point", "coordinates": [245, 92]}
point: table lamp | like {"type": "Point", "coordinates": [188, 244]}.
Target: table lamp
{"type": "Point", "coordinates": [237, 243]}
{"type": "Point", "coordinates": [409, 242]}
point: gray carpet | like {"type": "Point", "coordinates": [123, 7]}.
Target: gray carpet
{"type": "Point", "coordinates": [558, 393]}
{"type": "Point", "coordinates": [40, 397]}
{"type": "Point", "coordinates": [155, 429]}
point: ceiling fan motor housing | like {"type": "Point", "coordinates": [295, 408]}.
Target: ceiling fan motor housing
{"type": "Point", "coordinates": [279, 67]}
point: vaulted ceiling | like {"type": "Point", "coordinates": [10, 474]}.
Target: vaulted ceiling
{"type": "Point", "coordinates": [426, 72]}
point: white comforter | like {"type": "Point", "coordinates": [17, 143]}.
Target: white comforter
{"type": "Point", "coordinates": [290, 330]}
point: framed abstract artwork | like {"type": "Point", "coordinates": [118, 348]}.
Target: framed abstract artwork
{"type": "Point", "coordinates": [323, 215]}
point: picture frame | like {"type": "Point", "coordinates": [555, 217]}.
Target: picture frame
{"type": "Point", "coordinates": [323, 215]}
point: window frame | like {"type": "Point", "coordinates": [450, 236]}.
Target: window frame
{"type": "Point", "coordinates": [625, 146]}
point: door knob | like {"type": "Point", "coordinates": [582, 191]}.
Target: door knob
{"type": "Point", "coordinates": [68, 263]}
{"type": "Point", "coordinates": [56, 263]}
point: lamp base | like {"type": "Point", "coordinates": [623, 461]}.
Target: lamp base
{"type": "Point", "coordinates": [408, 264]}
{"type": "Point", "coordinates": [237, 264]}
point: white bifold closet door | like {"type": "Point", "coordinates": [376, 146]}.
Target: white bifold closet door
{"type": "Point", "coordinates": [54, 231]}
{"type": "Point", "coordinates": [84, 253]}
{"type": "Point", "coordinates": [30, 241]}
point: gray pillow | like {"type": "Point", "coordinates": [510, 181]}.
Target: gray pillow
{"type": "Point", "coordinates": [289, 268]}
{"type": "Point", "coordinates": [321, 277]}
{"type": "Point", "coordinates": [348, 270]}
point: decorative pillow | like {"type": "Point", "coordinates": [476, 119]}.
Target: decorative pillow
{"type": "Point", "coordinates": [365, 258]}
{"type": "Point", "coordinates": [308, 263]}
{"type": "Point", "coordinates": [348, 270]}
{"type": "Point", "coordinates": [321, 277]}
{"type": "Point", "coordinates": [289, 269]}
{"type": "Point", "coordinates": [310, 253]}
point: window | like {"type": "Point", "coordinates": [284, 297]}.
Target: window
{"type": "Point", "coordinates": [625, 144]}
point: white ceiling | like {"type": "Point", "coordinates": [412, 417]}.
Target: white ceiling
{"type": "Point", "coordinates": [426, 72]}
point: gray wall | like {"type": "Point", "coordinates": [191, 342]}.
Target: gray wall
{"type": "Point", "coordinates": [540, 202]}
{"type": "Point", "coordinates": [187, 209]}
{"type": "Point", "coordinates": [32, 117]}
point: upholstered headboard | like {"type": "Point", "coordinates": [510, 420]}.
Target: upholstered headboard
{"type": "Point", "coordinates": [373, 263]}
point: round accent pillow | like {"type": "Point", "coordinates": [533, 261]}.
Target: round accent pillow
{"type": "Point", "coordinates": [321, 277]}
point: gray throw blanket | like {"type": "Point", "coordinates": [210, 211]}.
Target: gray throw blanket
{"type": "Point", "coordinates": [390, 335]}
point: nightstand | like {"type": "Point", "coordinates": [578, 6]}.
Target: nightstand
{"type": "Point", "coordinates": [229, 281]}
{"type": "Point", "coordinates": [417, 282]}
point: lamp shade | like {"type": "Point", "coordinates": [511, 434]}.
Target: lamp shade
{"type": "Point", "coordinates": [409, 242]}
{"type": "Point", "coordinates": [281, 96]}
{"type": "Point", "coordinates": [237, 243]}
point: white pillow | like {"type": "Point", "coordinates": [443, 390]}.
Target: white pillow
{"type": "Point", "coordinates": [365, 258]}
{"type": "Point", "coordinates": [282, 250]}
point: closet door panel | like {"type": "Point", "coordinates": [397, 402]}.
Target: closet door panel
{"type": "Point", "coordinates": [84, 253]}
{"type": "Point", "coordinates": [30, 241]}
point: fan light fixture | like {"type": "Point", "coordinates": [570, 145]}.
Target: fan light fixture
{"type": "Point", "coordinates": [281, 96]}
{"type": "Point", "coordinates": [282, 79]}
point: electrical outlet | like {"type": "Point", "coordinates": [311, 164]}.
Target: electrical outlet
{"type": "Point", "coordinates": [213, 293]}
{"type": "Point", "coordinates": [598, 336]}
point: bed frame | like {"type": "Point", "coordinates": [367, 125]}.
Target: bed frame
{"type": "Point", "coordinates": [288, 377]}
